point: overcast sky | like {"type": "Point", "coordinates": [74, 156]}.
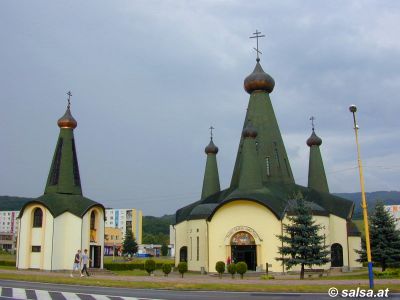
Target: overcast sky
{"type": "Point", "coordinates": [148, 79]}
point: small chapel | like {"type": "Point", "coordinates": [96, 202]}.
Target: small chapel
{"type": "Point", "coordinates": [241, 222]}
{"type": "Point", "coordinates": [61, 221]}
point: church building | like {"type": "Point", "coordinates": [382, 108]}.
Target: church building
{"type": "Point", "coordinates": [61, 221]}
{"type": "Point", "coordinates": [241, 222]}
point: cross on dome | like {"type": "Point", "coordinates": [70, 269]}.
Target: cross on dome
{"type": "Point", "coordinates": [257, 35]}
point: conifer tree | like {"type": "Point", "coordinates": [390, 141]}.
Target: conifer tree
{"type": "Point", "coordinates": [129, 245]}
{"type": "Point", "coordinates": [302, 245]}
{"type": "Point", "coordinates": [385, 239]}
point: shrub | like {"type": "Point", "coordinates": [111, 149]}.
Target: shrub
{"type": "Point", "coordinates": [166, 268]}
{"type": "Point", "coordinates": [149, 266]}
{"type": "Point", "coordinates": [220, 268]}
{"type": "Point", "coordinates": [7, 263]}
{"type": "Point", "coordinates": [267, 277]}
{"type": "Point", "coordinates": [128, 266]}
{"type": "Point", "coordinates": [241, 268]}
{"type": "Point", "coordinates": [232, 269]}
{"type": "Point", "coordinates": [388, 273]}
{"type": "Point", "coordinates": [182, 268]}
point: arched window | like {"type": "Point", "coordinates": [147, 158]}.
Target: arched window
{"type": "Point", "coordinates": [336, 255]}
{"type": "Point", "coordinates": [93, 220]}
{"type": "Point", "coordinates": [37, 217]}
{"type": "Point", "coordinates": [183, 254]}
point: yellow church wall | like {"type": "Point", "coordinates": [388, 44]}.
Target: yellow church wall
{"type": "Point", "coordinates": [29, 236]}
{"type": "Point", "coordinates": [181, 239]}
{"type": "Point", "coordinates": [99, 232]}
{"type": "Point", "coordinates": [244, 215]}
{"type": "Point", "coordinates": [354, 244]}
{"type": "Point", "coordinates": [197, 245]}
{"type": "Point", "coordinates": [67, 240]}
{"type": "Point", "coordinates": [338, 234]}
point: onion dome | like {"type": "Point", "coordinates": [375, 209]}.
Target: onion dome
{"type": "Point", "coordinates": [67, 120]}
{"type": "Point", "coordinates": [314, 140]}
{"type": "Point", "coordinates": [259, 80]}
{"type": "Point", "coordinates": [211, 148]}
{"type": "Point", "coordinates": [249, 131]}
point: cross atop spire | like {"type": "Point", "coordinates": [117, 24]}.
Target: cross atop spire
{"type": "Point", "coordinates": [257, 35]}
{"type": "Point", "coordinates": [312, 118]}
{"type": "Point", "coordinates": [211, 131]}
{"type": "Point", "coordinates": [69, 99]}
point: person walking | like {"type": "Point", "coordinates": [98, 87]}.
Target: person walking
{"type": "Point", "coordinates": [85, 260]}
{"type": "Point", "coordinates": [77, 263]}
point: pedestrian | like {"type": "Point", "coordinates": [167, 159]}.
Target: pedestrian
{"type": "Point", "coordinates": [85, 260]}
{"type": "Point", "coordinates": [77, 263]}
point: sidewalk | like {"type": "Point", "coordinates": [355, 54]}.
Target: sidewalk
{"type": "Point", "coordinates": [194, 278]}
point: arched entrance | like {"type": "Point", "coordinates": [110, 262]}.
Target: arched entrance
{"type": "Point", "coordinates": [183, 254]}
{"type": "Point", "coordinates": [336, 255]}
{"type": "Point", "coordinates": [244, 248]}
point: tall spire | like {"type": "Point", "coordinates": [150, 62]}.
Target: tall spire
{"type": "Point", "coordinates": [250, 172]}
{"type": "Point", "coordinates": [211, 177]}
{"type": "Point", "coordinates": [271, 153]}
{"type": "Point", "coordinates": [316, 171]}
{"type": "Point", "coordinates": [64, 171]}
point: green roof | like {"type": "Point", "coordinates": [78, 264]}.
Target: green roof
{"type": "Point", "coordinates": [58, 204]}
{"type": "Point", "coordinates": [277, 197]}
{"type": "Point", "coordinates": [63, 190]}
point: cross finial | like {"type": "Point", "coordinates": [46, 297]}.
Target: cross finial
{"type": "Point", "coordinates": [69, 99]}
{"type": "Point", "coordinates": [257, 35]}
{"type": "Point", "coordinates": [312, 122]}
{"type": "Point", "coordinates": [211, 131]}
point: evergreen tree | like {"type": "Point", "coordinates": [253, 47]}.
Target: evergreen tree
{"type": "Point", "coordinates": [385, 239]}
{"type": "Point", "coordinates": [302, 245]}
{"type": "Point", "coordinates": [129, 246]}
{"type": "Point", "coordinates": [164, 250]}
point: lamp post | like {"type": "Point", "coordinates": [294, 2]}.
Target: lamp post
{"type": "Point", "coordinates": [353, 110]}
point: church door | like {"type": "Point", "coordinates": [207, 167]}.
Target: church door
{"type": "Point", "coordinates": [244, 249]}
{"type": "Point", "coordinates": [183, 254]}
{"type": "Point", "coordinates": [95, 256]}
{"type": "Point", "coordinates": [336, 255]}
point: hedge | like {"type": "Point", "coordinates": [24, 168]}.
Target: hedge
{"type": "Point", "coordinates": [7, 263]}
{"type": "Point", "coordinates": [131, 266]}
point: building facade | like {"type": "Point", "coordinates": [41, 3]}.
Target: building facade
{"type": "Point", "coordinates": [125, 219]}
{"type": "Point", "coordinates": [241, 222]}
{"type": "Point", "coordinates": [55, 225]}
{"type": "Point", "coordinates": [394, 210]}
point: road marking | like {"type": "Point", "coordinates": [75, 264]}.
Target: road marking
{"type": "Point", "coordinates": [43, 295]}
{"type": "Point", "coordinates": [70, 296]}
{"type": "Point", "coordinates": [19, 293]}
{"type": "Point", "coordinates": [99, 297]}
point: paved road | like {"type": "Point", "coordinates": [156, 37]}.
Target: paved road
{"type": "Point", "coordinates": [33, 290]}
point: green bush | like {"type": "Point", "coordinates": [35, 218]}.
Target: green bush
{"type": "Point", "coordinates": [166, 268]}
{"type": "Point", "coordinates": [149, 266]}
{"type": "Point", "coordinates": [232, 269]}
{"type": "Point", "coordinates": [128, 266]}
{"type": "Point", "coordinates": [388, 273]}
{"type": "Point", "coordinates": [9, 263]}
{"type": "Point", "coordinates": [182, 268]}
{"type": "Point", "coordinates": [220, 268]}
{"type": "Point", "coordinates": [266, 277]}
{"type": "Point", "coordinates": [241, 268]}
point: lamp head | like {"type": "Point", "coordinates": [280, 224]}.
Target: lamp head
{"type": "Point", "coordinates": [353, 108]}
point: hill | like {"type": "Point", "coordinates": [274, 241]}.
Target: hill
{"type": "Point", "coordinates": [388, 198]}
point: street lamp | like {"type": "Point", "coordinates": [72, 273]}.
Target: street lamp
{"type": "Point", "coordinates": [353, 110]}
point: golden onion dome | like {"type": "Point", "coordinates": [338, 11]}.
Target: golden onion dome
{"type": "Point", "coordinates": [314, 140]}
{"type": "Point", "coordinates": [67, 120]}
{"type": "Point", "coordinates": [258, 80]}
{"type": "Point", "coordinates": [249, 131]}
{"type": "Point", "coordinates": [211, 148]}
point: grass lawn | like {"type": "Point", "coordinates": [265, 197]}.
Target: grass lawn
{"type": "Point", "coordinates": [7, 257]}
{"type": "Point", "coordinates": [120, 259]}
{"type": "Point", "coordinates": [187, 286]}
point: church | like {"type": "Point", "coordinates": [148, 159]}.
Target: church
{"type": "Point", "coordinates": [241, 222]}
{"type": "Point", "coordinates": [61, 221]}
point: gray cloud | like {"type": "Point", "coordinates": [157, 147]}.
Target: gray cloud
{"type": "Point", "coordinates": [150, 77]}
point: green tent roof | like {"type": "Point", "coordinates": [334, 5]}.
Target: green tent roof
{"type": "Point", "coordinates": [58, 204]}
{"type": "Point", "coordinates": [277, 197]}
